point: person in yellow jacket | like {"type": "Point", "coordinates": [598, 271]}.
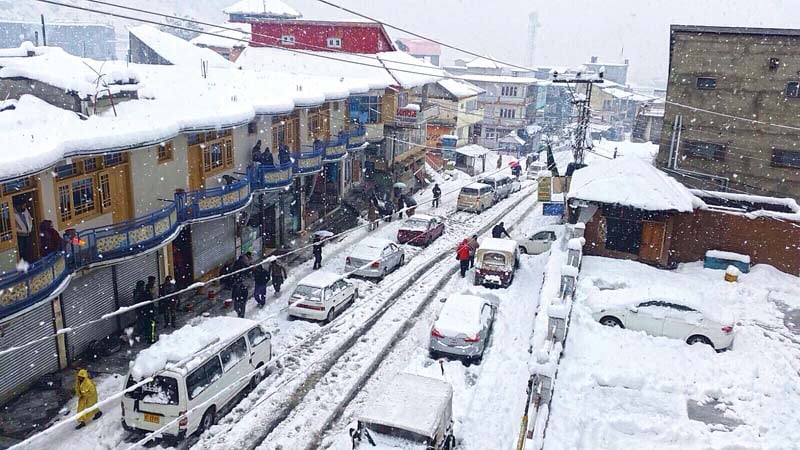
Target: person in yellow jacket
{"type": "Point", "coordinates": [87, 397]}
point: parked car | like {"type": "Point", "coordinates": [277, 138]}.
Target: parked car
{"type": "Point", "coordinates": [207, 364]}
{"type": "Point", "coordinates": [516, 185]}
{"type": "Point", "coordinates": [495, 262]}
{"type": "Point", "coordinates": [374, 258]}
{"type": "Point", "coordinates": [501, 184]}
{"type": "Point", "coordinates": [412, 412]}
{"type": "Point", "coordinates": [693, 322]}
{"type": "Point", "coordinates": [534, 168]}
{"type": "Point", "coordinates": [320, 296]}
{"type": "Point", "coordinates": [475, 197]}
{"type": "Point", "coordinates": [539, 242]}
{"type": "Point", "coordinates": [462, 328]}
{"type": "Point", "coordinates": [420, 230]}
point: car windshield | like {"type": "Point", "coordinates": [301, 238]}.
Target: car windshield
{"type": "Point", "coordinates": [377, 431]}
{"type": "Point", "coordinates": [310, 292]}
{"type": "Point", "coordinates": [469, 191]}
{"type": "Point", "coordinates": [162, 390]}
{"type": "Point", "coordinates": [416, 225]}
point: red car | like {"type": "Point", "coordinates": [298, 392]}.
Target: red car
{"type": "Point", "coordinates": [420, 229]}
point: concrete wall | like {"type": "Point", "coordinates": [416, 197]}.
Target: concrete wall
{"type": "Point", "coordinates": [746, 87]}
{"type": "Point", "coordinates": [152, 180]}
{"type": "Point", "coordinates": [14, 88]}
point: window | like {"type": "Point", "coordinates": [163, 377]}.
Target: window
{"type": "Point", "coordinates": [252, 127]}
{"type": "Point", "coordinates": [706, 83]}
{"type": "Point", "coordinates": [335, 42]}
{"type": "Point", "coordinates": [165, 151]}
{"type": "Point", "coordinates": [705, 150]}
{"type": "Point", "coordinates": [793, 89]}
{"type": "Point", "coordinates": [508, 91]}
{"type": "Point", "coordinates": [623, 235]}
{"type": "Point", "coordinates": [76, 198]}
{"type": "Point", "coordinates": [256, 336]}
{"type": "Point", "coordinates": [508, 113]}
{"type": "Point", "coordinates": [66, 171]}
{"type": "Point", "coordinates": [366, 109]}
{"type": "Point", "coordinates": [212, 157]}
{"type": "Point", "coordinates": [284, 131]}
{"type": "Point", "coordinates": [6, 232]}
{"type": "Point", "coordinates": [785, 158]}
{"type": "Point", "coordinates": [200, 379]}
{"type": "Point", "coordinates": [318, 123]}
{"type": "Point", "coordinates": [161, 391]}
{"type": "Point", "coordinates": [228, 148]}
{"type": "Point", "coordinates": [492, 258]}
{"type": "Point", "coordinates": [105, 191]}
{"type": "Point", "coordinates": [287, 39]}
{"type": "Point", "coordinates": [233, 354]}
{"type": "Point", "coordinates": [113, 159]}
{"type": "Point", "coordinates": [89, 165]}
{"type": "Point", "coordinates": [217, 153]}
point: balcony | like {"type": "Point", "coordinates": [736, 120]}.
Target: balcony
{"type": "Point", "coordinates": [271, 177]}
{"type": "Point", "coordinates": [357, 135]}
{"type": "Point", "coordinates": [309, 159]}
{"type": "Point", "coordinates": [212, 202]}
{"type": "Point", "coordinates": [101, 244]}
{"type": "Point", "coordinates": [374, 131]}
{"type": "Point", "coordinates": [336, 148]}
{"type": "Point", "coordinates": [18, 290]}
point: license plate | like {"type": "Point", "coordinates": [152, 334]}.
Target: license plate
{"type": "Point", "coordinates": [152, 418]}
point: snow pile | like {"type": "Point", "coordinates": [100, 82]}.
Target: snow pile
{"type": "Point", "coordinates": [646, 151]}
{"type": "Point", "coordinates": [629, 181]}
{"type": "Point", "coordinates": [461, 314]}
{"type": "Point", "coordinates": [185, 343]}
{"type": "Point", "coordinates": [729, 256]}
{"type": "Point", "coordinates": [176, 50]}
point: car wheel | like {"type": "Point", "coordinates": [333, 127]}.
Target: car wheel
{"type": "Point", "coordinates": [384, 273]}
{"type": "Point", "coordinates": [402, 260]}
{"type": "Point", "coordinates": [257, 377]}
{"type": "Point", "coordinates": [207, 421]}
{"type": "Point", "coordinates": [331, 315]}
{"type": "Point", "coordinates": [451, 443]}
{"type": "Point", "coordinates": [611, 321]}
{"type": "Point", "coordinates": [698, 339]}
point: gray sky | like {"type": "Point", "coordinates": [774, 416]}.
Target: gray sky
{"type": "Point", "coordinates": [571, 30]}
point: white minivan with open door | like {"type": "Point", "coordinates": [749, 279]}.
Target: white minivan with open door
{"type": "Point", "coordinates": [197, 371]}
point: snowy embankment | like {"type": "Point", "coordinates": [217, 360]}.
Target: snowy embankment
{"type": "Point", "coordinates": [618, 388]}
{"type": "Point", "coordinates": [645, 151]}
{"type": "Point", "coordinates": [488, 398]}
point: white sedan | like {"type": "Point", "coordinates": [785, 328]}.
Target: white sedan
{"type": "Point", "coordinates": [539, 242]}
{"type": "Point", "coordinates": [374, 258]}
{"type": "Point", "coordinates": [671, 319]}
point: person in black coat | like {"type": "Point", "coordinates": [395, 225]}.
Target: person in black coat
{"type": "Point", "coordinates": [146, 315]}
{"type": "Point", "coordinates": [401, 203]}
{"type": "Point", "coordinates": [266, 158]}
{"type": "Point", "coordinates": [278, 273]}
{"type": "Point", "coordinates": [261, 278]}
{"type": "Point", "coordinates": [239, 295]}
{"type": "Point", "coordinates": [437, 194]}
{"type": "Point", "coordinates": [317, 253]}
{"type": "Point", "coordinates": [283, 154]}
{"type": "Point", "coordinates": [257, 152]}
{"type": "Point", "coordinates": [170, 305]}
{"type": "Point", "coordinates": [499, 230]}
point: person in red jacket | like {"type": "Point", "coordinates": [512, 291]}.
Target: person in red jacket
{"type": "Point", "coordinates": [462, 255]}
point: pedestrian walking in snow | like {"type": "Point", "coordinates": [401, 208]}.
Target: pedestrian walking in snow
{"type": "Point", "coordinates": [372, 216]}
{"type": "Point", "coordinates": [170, 304]}
{"type": "Point", "coordinates": [278, 274]}
{"type": "Point", "coordinates": [499, 161]}
{"type": "Point", "coordinates": [462, 255]}
{"type": "Point", "coordinates": [261, 278]}
{"type": "Point", "coordinates": [317, 250]}
{"type": "Point", "coordinates": [239, 294]}
{"type": "Point", "coordinates": [401, 203]}
{"type": "Point", "coordinates": [473, 247]}
{"type": "Point", "coordinates": [87, 397]}
{"type": "Point", "coordinates": [241, 263]}
{"type": "Point", "coordinates": [145, 315]}
{"type": "Point", "coordinates": [499, 230]}
{"type": "Point", "coordinates": [437, 194]}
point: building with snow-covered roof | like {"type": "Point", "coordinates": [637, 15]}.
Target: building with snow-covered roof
{"type": "Point", "coordinates": [148, 45]}
{"type": "Point", "coordinates": [457, 101]}
{"type": "Point", "coordinates": [423, 49]}
{"type": "Point", "coordinates": [616, 72]}
{"type": "Point", "coordinates": [260, 10]}
{"type": "Point", "coordinates": [228, 39]}
{"type": "Point", "coordinates": [87, 40]}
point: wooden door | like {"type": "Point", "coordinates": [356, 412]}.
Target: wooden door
{"type": "Point", "coordinates": [114, 192]}
{"type": "Point", "coordinates": [652, 243]}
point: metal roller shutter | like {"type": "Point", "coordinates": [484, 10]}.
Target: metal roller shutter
{"type": "Point", "coordinates": [127, 274]}
{"type": "Point", "coordinates": [21, 368]}
{"type": "Point", "coordinates": [87, 298]}
{"type": "Point", "coordinates": [213, 244]}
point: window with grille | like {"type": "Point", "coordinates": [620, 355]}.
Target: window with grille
{"type": "Point", "coordinates": [112, 159]}
{"type": "Point", "coordinates": [335, 42]}
{"type": "Point", "coordinates": [785, 158]}
{"type": "Point", "coordinates": [165, 151]}
{"type": "Point", "coordinates": [66, 171]}
{"type": "Point", "coordinates": [705, 150]}
{"type": "Point", "coordinates": [89, 165]}
{"type": "Point", "coordinates": [509, 91]}
{"type": "Point", "coordinates": [706, 83]}
{"type": "Point", "coordinates": [105, 191]}
{"type": "Point", "coordinates": [228, 148]}
{"type": "Point", "coordinates": [6, 233]}
{"type": "Point", "coordinates": [793, 89]}
{"type": "Point", "coordinates": [212, 157]}
{"type": "Point", "coordinates": [82, 196]}
{"type": "Point", "coordinates": [508, 113]}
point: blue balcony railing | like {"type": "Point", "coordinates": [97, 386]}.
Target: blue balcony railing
{"type": "Point", "coordinates": [212, 202]}
{"type": "Point", "coordinates": [123, 238]}
{"type": "Point", "coordinates": [356, 136]}
{"type": "Point", "coordinates": [271, 177]}
{"type": "Point", "coordinates": [20, 289]}
{"type": "Point", "coordinates": [309, 159]}
{"type": "Point", "coordinates": [336, 148]}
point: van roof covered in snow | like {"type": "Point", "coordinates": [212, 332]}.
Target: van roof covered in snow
{"type": "Point", "coordinates": [411, 402]}
{"type": "Point", "coordinates": [187, 347]}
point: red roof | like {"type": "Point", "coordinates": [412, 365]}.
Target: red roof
{"type": "Point", "coordinates": [421, 47]}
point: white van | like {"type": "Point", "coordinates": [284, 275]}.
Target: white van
{"type": "Point", "coordinates": [534, 168]}
{"type": "Point", "coordinates": [476, 197]}
{"type": "Point", "coordinates": [320, 296]}
{"type": "Point", "coordinates": [211, 361]}
{"type": "Point", "coordinates": [501, 185]}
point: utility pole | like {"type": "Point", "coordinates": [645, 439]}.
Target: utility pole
{"type": "Point", "coordinates": [582, 102]}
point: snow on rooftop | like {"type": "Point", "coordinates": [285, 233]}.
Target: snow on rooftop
{"type": "Point", "coordinates": [319, 279]}
{"type": "Point", "coordinates": [512, 138]}
{"type": "Point", "coordinates": [266, 8]}
{"type": "Point", "coordinates": [504, 245]}
{"type": "Point", "coordinates": [631, 182]}
{"type": "Point", "coordinates": [377, 71]}
{"type": "Point", "coordinates": [410, 402]}
{"type": "Point", "coordinates": [226, 35]}
{"type": "Point", "coordinates": [54, 66]}
{"type": "Point", "coordinates": [459, 88]}
{"type": "Point", "coordinates": [176, 50]}
{"type": "Point", "coordinates": [485, 63]}
{"type": "Point", "coordinates": [498, 79]}
{"type": "Point", "coordinates": [184, 343]}
{"type": "Point", "coordinates": [472, 150]}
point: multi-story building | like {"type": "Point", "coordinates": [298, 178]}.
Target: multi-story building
{"type": "Point", "coordinates": [732, 102]}
{"type": "Point", "coordinates": [423, 49]}
{"type": "Point", "coordinates": [121, 184]}
{"type": "Point", "coordinates": [274, 23]}
{"type": "Point", "coordinates": [457, 101]}
{"type": "Point", "coordinates": [96, 41]}
{"type": "Point", "coordinates": [614, 72]}
{"type": "Point", "coordinates": [615, 105]}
